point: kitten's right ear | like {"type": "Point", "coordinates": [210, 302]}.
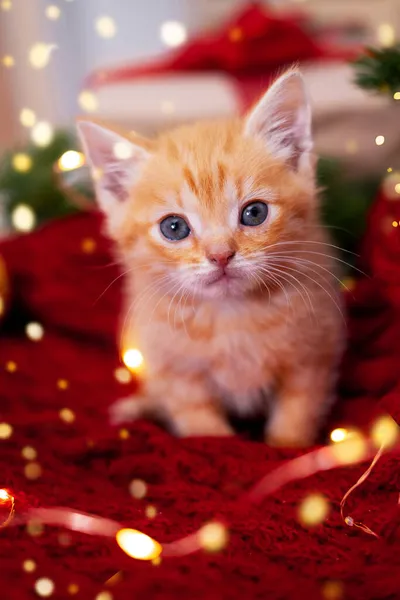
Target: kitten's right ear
{"type": "Point", "coordinates": [116, 163]}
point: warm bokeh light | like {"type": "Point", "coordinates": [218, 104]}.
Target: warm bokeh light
{"type": "Point", "coordinates": [29, 566]}
{"type": "Point", "coordinates": [42, 134]}
{"type": "Point", "coordinates": [396, 95]}
{"type": "Point", "coordinates": [88, 101]}
{"type": "Point", "coordinates": [132, 358]}
{"type": "Point", "coordinates": [6, 5]}
{"type": "Point", "coordinates": [380, 140]}
{"type": "Point", "coordinates": [27, 117]}
{"type": "Point", "coordinates": [151, 512]}
{"type": "Point", "coordinates": [106, 27]}
{"type": "Point", "coordinates": [8, 61]}
{"type": "Point", "coordinates": [352, 450]}
{"type": "Point", "coordinates": [23, 218]}
{"type": "Point", "coordinates": [67, 415]}
{"type": "Point", "coordinates": [88, 245]}
{"type": "Point", "coordinates": [395, 224]}
{"type": "Point", "coordinates": [34, 331]}
{"type": "Point", "coordinates": [11, 366]}
{"type": "Point", "coordinates": [62, 384]}
{"type": "Point", "coordinates": [213, 537]}
{"type": "Point", "coordinates": [44, 587]}
{"type": "Point", "coordinates": [385, 431]}
{"type": "Point", "coordinates": [34, 528]}
{"type": "Point", "coordinates": [386, 34]}
{"type": "Point", "coordinates": [332, 590]}
{"type": "Point", "coordinates": [123, 150]}
{"type": "Point", "coordinates": [313, 510]}
{"type": "Point", "coordinates": [339, 434]}
{"type": "Point", "coordinates": [123, 434]}
{"type": "Point", "coordinates": [33, 470]}
{"type": "Point", "coordinates": [138, 545]}
{"type": "Point", "coordinates": [6, 431]}
{"type": "Point", "coordinates": [39, 55]}
{"type": "Point", "coordinates": [122, 375]}
{"type": "Point", "coordinates": [52, 12]}
{"type": "Point", "coordinates": [71, 160]}
{"type": "Point", "coordinates": [138, 488]}
{"type": "Point", "coordinates": [397, 188]}
{"type": "Point", "coordinates": [173, 33]}
{"type": "Point", "coordinates": [351, 146]}
{"type": "Point", "coordinates": [29, 453]}
{"type": "Point", "coordinates": [21, 162]}
{"type": "Point", "coordinates": [104, 596]}
{"type": "Point", "coordinates": [73, 589]}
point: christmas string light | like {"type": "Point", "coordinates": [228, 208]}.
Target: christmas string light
{"type": "Point", "coordinates": [213, 536]}
{"type": "Point", "coordinates": [7, 498]}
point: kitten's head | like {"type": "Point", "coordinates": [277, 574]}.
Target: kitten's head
{"type": "Point", "coordinates": [202, 207]}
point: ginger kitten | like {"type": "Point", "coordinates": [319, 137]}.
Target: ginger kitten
{"type": "Point", "coordinates": [231, 291]}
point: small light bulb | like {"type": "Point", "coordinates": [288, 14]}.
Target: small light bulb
{"type": "Point", "coordinates": [352, 450]}
{"type": "Point", "coordinates": [133, 358]}
{"type": "Point", "coordinates": [71, 160]}
{"type": "Point", "coordinates": [138, 545]}
{"type": "Point", "coordinates": [23, 218]}
{"type": "Point", "coordinates": [173, 33]}
{"type": "Point", "coordinates": [396, 95]}
{"type": "Point", "coordinates": [338, 435]}
{"type": "Point", "coordinates": [380, 140]}
{"type": "Point", "coordinates": [4, 496]}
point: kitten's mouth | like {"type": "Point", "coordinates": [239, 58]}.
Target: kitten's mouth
{"type": "Point", "coordinates": [220, 277]}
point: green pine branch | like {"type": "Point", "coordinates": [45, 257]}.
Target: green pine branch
{"type": "Point", "coordinates": [379, 70]}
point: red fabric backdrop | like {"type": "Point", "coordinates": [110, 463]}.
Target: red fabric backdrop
{"type": "Point", "coordinates": [86, 465]}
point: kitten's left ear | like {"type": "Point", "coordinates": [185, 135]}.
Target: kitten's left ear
{"type": "Point", "coordinates": [282, 120]}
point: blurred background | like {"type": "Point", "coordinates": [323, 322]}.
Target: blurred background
{"type": "Point", "coordinates": [151, 65]}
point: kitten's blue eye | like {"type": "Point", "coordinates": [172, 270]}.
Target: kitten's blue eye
{"type": "Point", "coordinates": [174, 228]}
{"type": "Point", "coordinates": [254, 214]}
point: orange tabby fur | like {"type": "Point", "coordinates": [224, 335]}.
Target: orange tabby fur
{"type": "Point", "coordinates": [269, 334]}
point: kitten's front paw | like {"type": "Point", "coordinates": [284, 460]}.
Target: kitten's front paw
{"type": "Point", "coordinates": [127, 409]}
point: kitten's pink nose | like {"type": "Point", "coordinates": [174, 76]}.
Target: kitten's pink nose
{"type": "Point", "coordinates": [221, 259]}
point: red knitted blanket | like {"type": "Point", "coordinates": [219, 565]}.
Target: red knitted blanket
{"type": "Point", "coordinates": [57, 275]}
